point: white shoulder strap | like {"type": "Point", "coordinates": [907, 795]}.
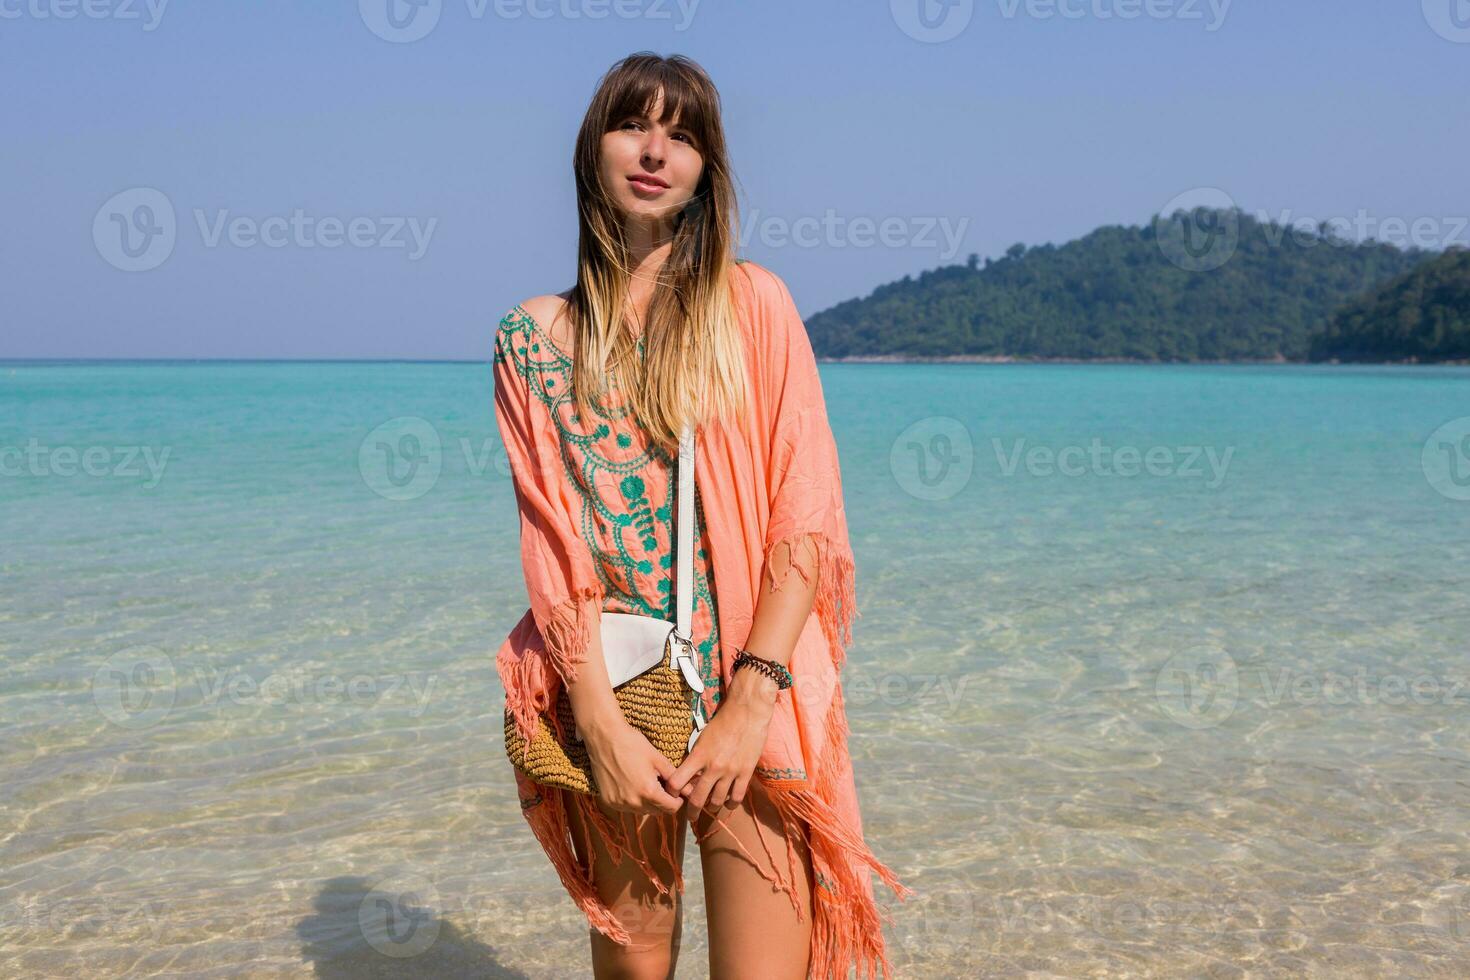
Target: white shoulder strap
{"type": "Point", "coordinates": [684, 590]}
{"type": "Point", "coordinates": [684, 596]}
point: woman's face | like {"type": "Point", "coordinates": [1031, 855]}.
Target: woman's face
{"type": "Point", "coordinates": [650, 169]}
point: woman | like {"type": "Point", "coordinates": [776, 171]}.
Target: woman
{"type": "Point", "coordinates": [592, 388]}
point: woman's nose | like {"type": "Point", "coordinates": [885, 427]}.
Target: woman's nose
{"type": "Point", "coordinates": [653, 149]}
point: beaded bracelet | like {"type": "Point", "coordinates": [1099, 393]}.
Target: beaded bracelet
{"type": "Point", "coordinates": [773, 670]}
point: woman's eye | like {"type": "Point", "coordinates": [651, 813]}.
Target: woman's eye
{"type": "Point", "coordinates": [681, 135]}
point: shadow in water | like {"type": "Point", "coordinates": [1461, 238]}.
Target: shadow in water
{"type": "Point", "coordinates": [391, 929]}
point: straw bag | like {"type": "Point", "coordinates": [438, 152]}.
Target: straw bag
{"type": "Point", "coordinates": [650, 664]}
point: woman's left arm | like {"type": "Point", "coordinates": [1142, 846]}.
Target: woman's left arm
{"type": "Point", "coordinates": [724, 759]}
{"type": "Point", "coordinates": [806, 534]}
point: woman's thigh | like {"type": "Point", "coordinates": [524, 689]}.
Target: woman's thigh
{"type": "Point", "coordinates": [652, 917]}
{"type": "Point", "coordinates": [753, 928]}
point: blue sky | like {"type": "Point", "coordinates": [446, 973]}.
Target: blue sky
{"type": "Point", "coordinates": [444, 161]}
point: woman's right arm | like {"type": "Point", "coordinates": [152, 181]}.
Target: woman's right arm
{"type": "Point", "coordinates": [626, 768]}
{"type": "Point", "coordinates": [593, 704]}
{"type": "Point", "coordinates": [566, 595]}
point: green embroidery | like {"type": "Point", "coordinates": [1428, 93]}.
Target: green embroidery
{"type": "Point", "coordinates": [780, 773]}
{"type": "Point", "coordinates": [586, 455]}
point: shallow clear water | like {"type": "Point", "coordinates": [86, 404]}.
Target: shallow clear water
{"type": "Point", "coordinates": [1209, 719]}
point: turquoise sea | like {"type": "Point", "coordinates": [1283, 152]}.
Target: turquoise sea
{"type": "Point", "coordinates": [1161, 671]}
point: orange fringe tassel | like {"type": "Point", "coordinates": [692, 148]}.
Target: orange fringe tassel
{"type": "Point", "coordinates": [568, 633]}
{"type": "Point", "coordinates": [846, 922]}
{"type": "Point", "coordinates": [836, 601]}
{"type": "Point", "coordinates": [528, 681]}
{"type": "Point", "coordinates": [847, 926]}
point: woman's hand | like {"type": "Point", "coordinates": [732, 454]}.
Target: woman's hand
{"type": "Point", "coordinates": [717, 772]}
{"type": "Point", "coordinates": [626, 768]}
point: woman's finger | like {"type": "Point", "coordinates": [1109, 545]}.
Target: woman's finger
{"type": "Point", "coordinates": [701, 790]}
{"type": "Point", "coordinates": [661, 800]}
{"type": "Point", "coordinates": [678, 781]}
{"type": "Point", "coordinates": [721, 792]}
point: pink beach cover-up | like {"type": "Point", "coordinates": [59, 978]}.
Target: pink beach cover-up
{"type": "Point", "coordinates": [765, 481]}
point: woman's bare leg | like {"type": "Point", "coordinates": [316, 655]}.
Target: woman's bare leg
{"type": "Point", "coordinates": [753, 929]}
{"type": "Point", "coordinates": [653, 920]}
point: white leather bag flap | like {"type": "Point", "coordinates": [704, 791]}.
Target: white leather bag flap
{"type": "Point", "coordinates": [632, 644]}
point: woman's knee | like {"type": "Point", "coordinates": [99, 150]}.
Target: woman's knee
{"type": "Point", "coordinates": [653, 923]}
{"type": "Point", "coordinates": [757, 886]}
{"type": "Point", "coordinates": [649, 955]}
{"type": "Point", "coordinates": [649, 910]}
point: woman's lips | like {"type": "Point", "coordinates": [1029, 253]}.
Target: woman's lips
{"type": "Point", "coordinates": [647, 186]}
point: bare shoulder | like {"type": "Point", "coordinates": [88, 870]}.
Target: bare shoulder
{"type": "Point", "coordinates": [548, 312]}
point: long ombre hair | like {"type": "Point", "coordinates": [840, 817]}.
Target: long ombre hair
{"type": "Point", "coordinates": [694, 363]}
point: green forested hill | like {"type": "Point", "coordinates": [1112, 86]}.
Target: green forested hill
{"type": "Point", "coordinates": [1424, 314]}
{"type": "Point", "coordinates": [1117, 293]}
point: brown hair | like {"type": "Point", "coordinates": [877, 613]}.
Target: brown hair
{"type": "Point", "coordinates": [694, 365]}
